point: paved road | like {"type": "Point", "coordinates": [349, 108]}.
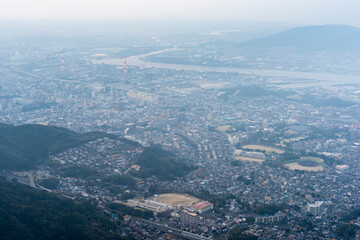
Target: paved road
{"type": "Point", "coordinates": [174, 231]}
{"type": "Point", "coordinates": [31, 177]}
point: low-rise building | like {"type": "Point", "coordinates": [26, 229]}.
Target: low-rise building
{"type": "Point", "coordinates": [149, 205]}
{"type": "Point", "coordinates": [270, 219]}
{"type": "Point", "coordinates": [203, 206]}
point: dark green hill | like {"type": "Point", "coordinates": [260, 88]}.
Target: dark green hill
{"type": "Point", "coordinates": [22, 147]}
{"type": "Point", "coordinates": [28, 213]}
{"type": "Point", "coordinates": [163, 164]}
{"type": "Point", "coordinates": [324, 37]}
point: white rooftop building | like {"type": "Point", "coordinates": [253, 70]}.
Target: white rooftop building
{"type": "Point", "coordinates": [315, 208]}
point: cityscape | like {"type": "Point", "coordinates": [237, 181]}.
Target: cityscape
{"type": "Point", "coordinates": [183, 135]}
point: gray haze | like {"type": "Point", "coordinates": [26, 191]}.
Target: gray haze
{"type": "Point", "coordinates": [295, 11]}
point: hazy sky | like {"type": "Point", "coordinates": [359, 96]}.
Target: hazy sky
{"type": "Point", "coordinates": [294, 11]}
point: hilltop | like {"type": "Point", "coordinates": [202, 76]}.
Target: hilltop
{"type": "Point", "coordinates": [324, 37]}
{"type": "Point", "coordinates": [163, 164]}
{"type": "Point", "coordinates": [24, 146]}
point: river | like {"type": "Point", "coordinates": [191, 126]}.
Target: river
{"type": "Point", "coordinates": [297, 78]}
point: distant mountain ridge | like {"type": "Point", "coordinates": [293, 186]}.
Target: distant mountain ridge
{"type": "Point", "coordinates": [25, 146]}
{"type": "Point", "coordinates": [323, 37]}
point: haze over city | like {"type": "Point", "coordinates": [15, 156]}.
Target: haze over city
{"type": "Point", "coordinates": [196, 120]}
{"type": "Point", "coordinates": [297, 11]}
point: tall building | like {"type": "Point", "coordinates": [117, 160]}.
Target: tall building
{"type": "Point", "coordinates": [315, 208]}
{"type": "Point", "coordinates": [189, 217]}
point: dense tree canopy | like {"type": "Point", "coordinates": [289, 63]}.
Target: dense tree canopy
{"type": "Point", "coordinates": [155, 161]}
{"type": "Point", "coordinates": [27, 213]}
{"type": "Point", "coordinates": [23, 147]}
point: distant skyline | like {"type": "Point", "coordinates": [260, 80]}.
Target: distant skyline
{"type": "Point", "coordinates": [290, 11]}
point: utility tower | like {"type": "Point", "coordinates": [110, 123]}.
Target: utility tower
{"type": "Point", "coordinates": [125, 68]}
{"type": "Point", "coordinates": [62, 69]}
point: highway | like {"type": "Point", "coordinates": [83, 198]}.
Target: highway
{"type": "Point", "coordinates": [174, 231]}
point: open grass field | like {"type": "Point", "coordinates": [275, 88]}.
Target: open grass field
{"type": "Point", "coordinates": [297, 166]}
{"type": "Point", "coordinates": [263, 148]}
{"type": "Point", "coordinates": [223, 128]}
{"type": "Point", "coordinates": [249, 159]}
{"type": "Point", "coordinates": [176, 199]}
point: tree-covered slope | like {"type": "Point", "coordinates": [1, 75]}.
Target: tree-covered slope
{"type": "Point", "coordinates": [24, 146]}
{"type": "Point", "coordinates": [163, 164]}
{"type": "Point", "coordinates": [28, 213]}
